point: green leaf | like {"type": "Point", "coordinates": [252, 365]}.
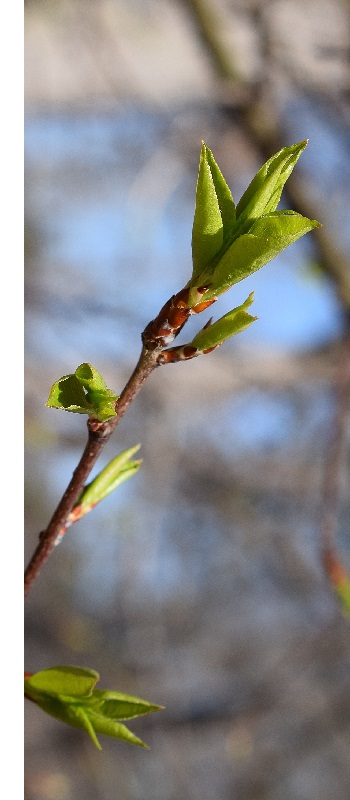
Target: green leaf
{"type": "Point", "coordinates": [78, 718]}
{"type": "Point", "coordinates": [73, 681]}
{"type": "Point", "coordinates": [68, 393]}
{"type": "Point", "coordinates": [214, 215]}
{"type": "Point", "coordinates": [229, 325]}
{"type": "Point", "coordinates": [84, 392]}
{"type": "Point", "coordinates": [224, 196]}
{"type": "Point", "coordinates": [264, 192]}
{"type": "Point", "coordinates": [228, 244]}
{"type": "Point", "coordinates": [117, 705]}
{"type": "Point", "coordinates": [113, 475]}
{"type": "Point", "coordinates": [115, 729]}
{"type": "Point", "coordinates": [90, 378]}
{"type": "Point", "coordinates": [68, 694]}
{"type": "Point", "coordinates": [268, 237]}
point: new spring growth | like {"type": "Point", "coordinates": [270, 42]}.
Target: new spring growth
{"type": "Point", "coordinates": [229, 243]}
{"type": "Point", "coordinates": [84, 392]}
{"type": "Point", "coordinates": [212, 335]}
{"type": "Point", "coordinates": [116, 472]}
{"type": "Point", "coordinates": [69, 694]}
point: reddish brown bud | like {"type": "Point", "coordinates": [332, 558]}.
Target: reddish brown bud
{"type": "Point", "coordinates": [202, 306]}
{"type": "Point", "coordinates": [335, 569]}
{"type": "Point", "coordinates": [180, 300]}
{"type": "Point", "coordinates": [210, 349]}
{"type": "Point", "coordinates": [203, 289]}
{"type": "Point", "coordinates": [168, 357]}
{"type": "Point", "coordinates": [189, 351]}
{"type": "Point", "coordinates": [178, 317]}
{"type": "Point", "coordinates": [175, 354]}
{"type": "Point", "coordinates": [101, 428]}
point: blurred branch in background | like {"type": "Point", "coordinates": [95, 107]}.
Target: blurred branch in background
{"type": "Point", "coordinates": [208, 585]}
{"type": "Point", "coordinates": [260, 118]}
{"type": "Point", "coordinates": [336, 475]}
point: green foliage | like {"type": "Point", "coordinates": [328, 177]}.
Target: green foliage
{"type": "Point", "coordinates": [267, 237]}
{"type": "Point", "coordinates": [84, 392]}
{"type": "Point", "coordinates": [229, 325]}
{"type": "Point", "coordinates": [68, 694]}
{"type": "Point", "coordinates": [214, 215]}
{"type": "Point", "coordinates": [264, 192]}
{"type": "Point", "coordinates": [230, 244]}
{"type": "Point", "coordinates": [113, 475]}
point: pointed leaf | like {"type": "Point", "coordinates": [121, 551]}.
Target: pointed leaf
{"type": "Point", "coordinates": [74, 681]}
{"type": "Point", "coordinates": [207, 232]}
{"type": "Point", "coordinates": [264, 192]}
{"type": "Point", "coordinates": [283, 223]}
{"type": "Point", "coordinates": [229, 325]}
{"type": "Point", "coordinates": [67, 693]}
{"type": "Point", "coordinates": [116, 705]}
{"type": "Point", "coordinates": [77, 716]}
{"type": "Point", "coordinates": [117, 730]}
{"type": "Point", "coordinates": [113, 475]}
{"type": "Point", "coordinates": [267, 238]}
{"type": "Point", "coordinates": [224, 196]}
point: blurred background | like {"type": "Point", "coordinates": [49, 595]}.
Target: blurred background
{"type": "Point", "coordinates": [200, 583]}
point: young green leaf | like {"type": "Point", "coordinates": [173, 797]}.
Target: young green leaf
{"type": "Point", "coordinates": [110, 727]}
{"type": "Point", "coordinates": [264, 192]}
{"type": "Point", "coordinates": [214, 215]}
{"type": "Point", "coordinates": [268, 237]}
{"type": "Point", "coordinates": [83, 392]}
{"type": "Point", "coordinates": [118, 705]}
{"type": "Point", "coordinates": [68, 393]}
{"type": "Point", "coordinates": [113, 475]}
{"type": "Point", "coordinates": [68, 694]}
{"type": "Point", "coordinates": [78, 681]}
{"type": "Point", "coordinates": [229, 325]}
{"type": "Point", "coordinates": [229, 244]}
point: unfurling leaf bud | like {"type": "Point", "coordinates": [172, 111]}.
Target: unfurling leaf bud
{"type": "Point", "coordinates": [229, 243]}
{"type": "Point", "coordinates": [68, 694]}
{"type": "Point", "coordinates": [84, 392]}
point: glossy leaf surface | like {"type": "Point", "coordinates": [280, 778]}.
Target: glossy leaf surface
{"type": "Point", "coordinates": [214, 215]}
{"type": "Point", "coordinates": [229, 325]}
{"type": "Point", "coordinates": [264, 192]}
{"type": "Point", "coordinates": [230, 244]}
{"type": "Point", "coordinates": [268, 236]}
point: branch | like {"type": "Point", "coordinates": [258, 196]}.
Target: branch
{"type": "Point", "coordinates": [98, 435]}
{"type": "Point", "coordinates": [333, 469]}
{"type": "Point", "coordinates": [223, 254]}
{"type": "Point", "coordinates": [158, 334]}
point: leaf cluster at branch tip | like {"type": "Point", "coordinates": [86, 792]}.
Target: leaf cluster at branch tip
{"type": "Point", "coordinates": [68, 694]}
{"type": "Point", "coordinates": [230, 243]}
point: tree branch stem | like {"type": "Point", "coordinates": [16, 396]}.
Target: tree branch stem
{"type": "Point", "coordinates": [99, 434]}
